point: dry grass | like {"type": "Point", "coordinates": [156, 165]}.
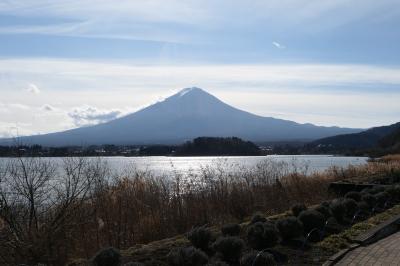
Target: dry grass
{"type": "Point", "coordinates": [391, 158]}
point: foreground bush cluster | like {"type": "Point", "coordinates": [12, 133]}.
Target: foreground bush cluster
{"type": "Point", "coordinates": [52, 213]}
{"type": "Point", "coordinates": [254, 243]}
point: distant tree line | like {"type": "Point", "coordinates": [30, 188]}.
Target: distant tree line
{"type": "Point", "coordinates": [201, 146]}
{"type": "Point", "coordinates": [37, 150]}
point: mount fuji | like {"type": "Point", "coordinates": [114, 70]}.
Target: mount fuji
{"type": "Point", "coordinates": [188, 114]}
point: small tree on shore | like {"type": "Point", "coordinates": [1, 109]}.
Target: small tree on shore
{"type": "Point", "coordinates": [39, 207]}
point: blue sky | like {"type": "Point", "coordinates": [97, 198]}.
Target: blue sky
{"type": "Point", "coordinates": [65, 64]}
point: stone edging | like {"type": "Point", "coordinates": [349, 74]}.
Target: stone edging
{"type": "Point", "coordinates": [373, 235]}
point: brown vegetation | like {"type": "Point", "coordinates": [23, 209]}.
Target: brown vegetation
{"type": "Point", "coordinates": [391, 158]}
{"type": "Point", "coordinates": [51, 215]}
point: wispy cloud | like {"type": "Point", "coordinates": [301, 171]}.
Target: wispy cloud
{"type": "Point", "coordinates": [61, 73]}
{"type": "Point", "coordinates": [278, 45]}
{"type": "Point", "coordinates": [32, 88]}
{"type": "Point", "coordinates": [159, 19]}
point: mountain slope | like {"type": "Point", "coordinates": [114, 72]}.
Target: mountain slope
{"type": "Point", "coordinates": [364, 140]}
{"type": "Point", "coordinates": [391, 141]}
{"type": "Point", "coordinates": [188, 114]}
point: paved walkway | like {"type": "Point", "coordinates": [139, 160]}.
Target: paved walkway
{"type": "Point", "coordinates": [385, 252]}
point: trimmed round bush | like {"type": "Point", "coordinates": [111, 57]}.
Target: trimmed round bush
{"type": "Point", "coordinates": [351, 206]}
{"type": "Point", "coordinates": [353, 195]}
{"type": "Point", "coordinates": [258, 218]}
{"type": "Point", "coordinates": [377, 189]}
{"type": "Point", "coordinates": [364, 208]}
{"type": "Point", "coordinates": [189, 256]}
{"type": "Point", "coordinates": [297, 209]}
{"type": "Point", "coordinates": [107, 257]}
{"type": "Point", "coordinates": [332, 226]}
{"type": "Point", "coordinates": [311, 219]}
{"type": "Point", "coordinates": [258, 259]}
{"type": "Point", "coordinates": [200, 237]}
{"type": "Point", "coordinates": [374, 190]}
{"type": "Point", "coordinates": [231, 230]}
{"type": "Point", "coordinates": [326, 203]}
{"type": "Point", "coordinates": [217, 263]}
{"type": "Point", "coordinates": [382, 198]}
{"type": "Point", "coordinates": [262, 235]}
{"type": "Point", "coordinates": [324, 210]}
{"type": "Point", "coordinates": [394, 192]}
{"type": "Point", "coordinates": [338, 209]}
{"type": "Point", "coordinates": [230, 248]}
{"type": "Point", "coordinates": [290, 228]}
{"type": "Point", "coordinates": [369, 199]}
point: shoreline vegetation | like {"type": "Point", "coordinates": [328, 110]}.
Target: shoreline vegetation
{"type": "Point", "coordinates": [54, 216]}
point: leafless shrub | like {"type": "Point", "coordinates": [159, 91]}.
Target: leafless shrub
{"type": "Point", "coordinates": [39, 207]}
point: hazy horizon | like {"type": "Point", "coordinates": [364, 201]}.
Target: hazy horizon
{"type": "Point", "coordinates": [76, 63]}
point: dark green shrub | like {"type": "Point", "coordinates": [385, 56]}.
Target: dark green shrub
{"type": "Point", "coordinates": [217, 263]}
{"type": "Point", "coordinates": [338, 209]}
{"type": "Point", "coordinates": [382, 198]}
{"type": "Point", "coordinates": [262, 235]}
{"type": "Point", "coordinates": [374, 190]}
{"type": "Point", "coordinates": [188, 256]}
{"type": "Point", "coordinates": [353, 195]}
{"type": "Point", "coordinates": [258, 218]}
{"type": "Point", "coordinates": [230, 248]}
{"type": "Point", "coordinates": [351, 207]}
{"type": "Point", "coordinates": [311, 219]}
{"type": "Point", "coordinates": [369, 199]}
{"type": "Point", "coordinates": [133, 264]}
{"type": "Point", "coordinates": [394, 192]}
{"type": "Point", "coordinates": [258, 259]}
{"type": "Point", "coordinates": [326, 204]}
{"type": "Point", "coordinates": [333, 226]}
{"type": "Point", "coordinates": [200, 237]}
{"type": "Point", "coordinates": [364, 209]}
{"type": "Point", "coordinates": [324, 210]}
{"type": "Point", "coordinates": [297, 209]}
{"type": "Point", "coordinates": [107, 257]}
{"type": "Point", "coordinates": [290, 228]}
{"type": "Point", "coordinates": [231, 230]}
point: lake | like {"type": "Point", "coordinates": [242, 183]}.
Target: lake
{"type": "Point", "coordinates": [161, 165]}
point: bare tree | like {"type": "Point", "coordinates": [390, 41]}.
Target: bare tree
{"type": "Point", "coordinates": [39, 205]}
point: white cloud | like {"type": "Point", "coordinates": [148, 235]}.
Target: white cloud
{"type": "Point", "coordinates": [90, 74]}
{"type": "Point", "coordinates": [89, 115]}
{"type": "Point", "coordinates": [32, 88]}
{"type": "Point", "coordinates": [9, 107]}
{"type": "Point", "coordinates": [278, 45]}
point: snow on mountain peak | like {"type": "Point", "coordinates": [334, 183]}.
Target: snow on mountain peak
{"type": "Point", "coordinates": [187, 90]}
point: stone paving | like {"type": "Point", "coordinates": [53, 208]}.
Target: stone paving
{"type": "Point", "coordinates": [385, 252]}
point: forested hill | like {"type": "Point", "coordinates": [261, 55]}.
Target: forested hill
{"type": "Point", "coordinates": [375, 139]}
{"type": "Point", "coordinates": [207, 146]}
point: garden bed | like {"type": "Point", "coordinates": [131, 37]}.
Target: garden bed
{"type": "Point", "coordinates": [302, 236]}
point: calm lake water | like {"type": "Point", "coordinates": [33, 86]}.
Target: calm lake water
{"type": "Point", "coordinates": [160, 165]}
